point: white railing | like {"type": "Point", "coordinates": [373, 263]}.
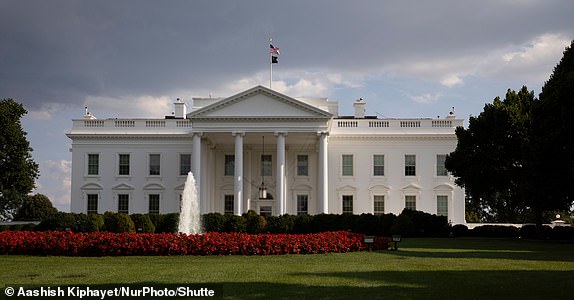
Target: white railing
{"type": "Point", "coordinates": [383, 124]}
{"type": "Point", "coordinates": [122, 123]}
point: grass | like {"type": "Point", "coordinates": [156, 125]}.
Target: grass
{"type": "Point", "coordinates": [462, 268]}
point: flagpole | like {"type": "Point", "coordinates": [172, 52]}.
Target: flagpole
{"type": "Point", "coordinates": [270, 64]}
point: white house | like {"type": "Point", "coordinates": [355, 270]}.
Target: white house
{"type": "Point", "coordinates": [300, 153]}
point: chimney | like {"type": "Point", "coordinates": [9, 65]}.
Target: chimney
{"type": "Point", "coordinates": [180, 109]}
{"type": "Point", "coordinates": [359, 107]}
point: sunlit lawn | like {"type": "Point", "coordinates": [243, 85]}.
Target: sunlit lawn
{"type": "Point", "coordinates": [421, 268]}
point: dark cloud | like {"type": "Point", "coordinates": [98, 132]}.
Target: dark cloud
{"type": "Point", "coordinates": [62, 51]}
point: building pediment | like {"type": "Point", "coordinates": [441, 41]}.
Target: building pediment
{"type": "Point", "coordinates": [91, 186]}
{"type": "Point", "coordinates": [123, 186]}
{"type": "Point", "coordinates": [444, 187]}
{"type": "Point", "coordinates": [412, 186]}
{"type": "Point", "coordinates": [259, 103]}
{"type": "Point", "coordinates": [154, 186]}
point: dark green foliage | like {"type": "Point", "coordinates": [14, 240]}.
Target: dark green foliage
{"type": "Point", "coordinates": [254, 223]}
{"type": "Point", "coordinates": [303, 223]}
{"type": "Point", "coordinates": [166, 222]}
{"type": "Point", "coordinates": [213, 222]}
{"type": "Point", "coordinates": [281, 224]}
{"type": "Point", "coordinates": [143, 223]}
{"type": "Point", "coordinates": [59, 222]}
{"type": "Point", "coordinates": [234, 223]}
{"type": "Point", "coordinates": [562, 233]}
{"type": "Point", "coordinates": [17, 167]}
{"type": "Point", "coordinates": [495, 231]}
{"type": "Point", "coordinates": [459, 230]}
{"type": "Point", "coordinates": [35, 208]}
{"type": "Point", "coordinates": [118, 222]}
{"type": "Point", "coordinates": [403, 225]}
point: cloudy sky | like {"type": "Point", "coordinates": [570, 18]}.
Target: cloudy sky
{"type": "Point", "coordinates": [133, 58]}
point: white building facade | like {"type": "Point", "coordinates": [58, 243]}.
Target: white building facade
{"type": "Point", "coordinates": [301, 152]}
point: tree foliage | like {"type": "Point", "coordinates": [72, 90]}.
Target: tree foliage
{"type": "Point", "coordinates": [18, 170]}
{"type": "Point", "coordinates": [35, 208]}
{"type": "Point", "coordinates": [516, 159]}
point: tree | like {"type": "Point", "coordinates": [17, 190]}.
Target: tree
{"type": "Point", "coordinates": [17, 168]}
{"type": "Point", "coordinates": [491, 156]}
{"type": "Point", "coordinates": [35, 208]}
{"type": "Point", "coordinates": [551, 134]}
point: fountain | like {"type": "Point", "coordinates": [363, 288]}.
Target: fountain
{"type": "Point", "coordinates": [189, 217]}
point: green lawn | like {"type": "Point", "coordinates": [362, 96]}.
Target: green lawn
{"type": "Point", "coordinates": [461, 268]}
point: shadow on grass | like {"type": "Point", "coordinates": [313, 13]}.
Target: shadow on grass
{"type": "Point", "coordinates": [513, 249]}
{"type": "Point", "coordinates": [386, 285]}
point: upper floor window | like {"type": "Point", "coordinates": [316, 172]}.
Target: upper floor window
{"type": "Point", "coordinates": [229, 165]}
{"type": "Point", "coordinates": [154, 164]}
{"type": "Point", "coordinates": [184, 164]}
{"type": "Point", "coordinates": [93, 164]}
{"type": "Point", "coordinates": [378, 165]}
{"type": "Point", "coordinates": [410, 165]}
{"type": "Point", "coordinates": [302, 165]}
{"type": "Point", "coordinates": [124, 164]}
{"type": "Point", "coordinates": [440, 165]}
{"type": "Point", "coordinates": [347, 165]}
{"type": "Point", "coordinates": [266, 162]}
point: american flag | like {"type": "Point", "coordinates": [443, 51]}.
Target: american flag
{"type": "Point", "coordinates": [274, 50]}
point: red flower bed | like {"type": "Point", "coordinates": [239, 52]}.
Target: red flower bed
{"type": "Point", "coordinates": [112, 244]}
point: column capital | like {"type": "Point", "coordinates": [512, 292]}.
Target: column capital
{"type": "Point", "coordinates": [239, 133]}
{"type": "Point", "coordinates": [322, 133]}
{"type": "Point", "coordinates": [282, 133]}
{"type": "Point", "coordinates": [197, 133]}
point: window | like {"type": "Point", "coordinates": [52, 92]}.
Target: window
{"type": "Point", "coordinates": [153, 203]}
{"type": "Point", "coordinates": [378, 165]}
{"type": "Point", "coordinates": [92, 204]}
{"type": "Point", "coordinates": [442, 205]}
{"type": "Point", "coordinates": [265, 211]}
{"type": "Point", "coordinates": [440, 167]}
{"type": "Point", "coordinates": [228, 204]}
{"type": "Point", "coordinates": [266, 169]}
{"type": "Point", "coordinates": [302, 204]}
{"type": "Point", "coordinates": [229, 165]}
{"type": "Point", "coordinates": [154, 164]}
{"type": "Point", "coordinates": [123, 203]}
{"type": "Point", "coordinates": [378, 205]}
{"type": "Point", "coordinates": [347, 204]}
{"type": "Point", "coordinates": [347, 165]}
{"type": "Point", "coordinates": [124, 164]}
{"type": "Point", "coordinates": [410, 165]}
{"type": "Point", "coordinates": [93, 164]}
{"type": "Point", "coordinates": [411, 202]}
{"type": "Point", "coordinates": [184, 164]}
{"type": "Point", "coordinates": [302, 165]}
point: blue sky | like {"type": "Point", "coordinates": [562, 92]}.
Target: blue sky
{"type": "Point", "coordinates": [134, 58]}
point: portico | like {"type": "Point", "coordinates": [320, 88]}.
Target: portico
{"type": "Point", "coordinates": [265, 129]}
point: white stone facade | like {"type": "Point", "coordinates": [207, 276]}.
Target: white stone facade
{"type": "Point", "coordinates": [310, 159]}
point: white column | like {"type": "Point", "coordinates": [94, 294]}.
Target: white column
{"type": "Point", "coordinates": [196, 168]}
{"type": "Point", "coordinates": [323, 204]}
{"type": "Point", "coordinates": [238, 182]}
{"type": "Point", "coordinates": [280, 175]}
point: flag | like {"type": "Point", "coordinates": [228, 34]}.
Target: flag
{"type": "Point", "coordinates": [274, 54]}
{"type": "Point", "coordinates": [274, 50]}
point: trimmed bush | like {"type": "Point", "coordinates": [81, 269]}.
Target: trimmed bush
{"type": "Point", "coordinates": [460, 230]}
{"type": "Point", "coordinates": [118, 222]}
{"type": "Point", "coordinates": [562, 233]}
{"type": "Point", "coordinates": [213, 222]}
{"type": "Point", "coordinates": [403, 225]}
{"type": "Point", "coordinates": [281, 224]}
{"type": "Point", "coordinates": [234, 223]}
{"type": "Point", "coordinates": [254, 223]}
{"type": "Point", "coordinates": [167, 223]}
{"type": "Point", "coordinates": [495, 231]}
{"type": "Point", "coordinates": [143, 223]}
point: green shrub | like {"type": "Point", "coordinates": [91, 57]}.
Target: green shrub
{"type": "Point", "coordinates": [143, 223]}
{"type": "Point", "coordinates": [403, 225]}
{"type": "Point", "coordinates": [495, 231]}
{"type": "Point", "coordinates": [281, 224]}
{"type": "Point", "coordinates": [234, 223]}
{"type": "Point", "coordinates": [58, 222]}
{"type": "Point", "coordinates": [254, 223]}
{"type": "Point", "coordinates": [118, 222]}
{"type": "Point", "coordinates": [562, 233]}
{"type": "Point", "coordinates": [303, 223]}
{"type": "Point", "coordinates": [167, 222]}
{"type": "Point", "coordinates": [213, 222]}
{"type": "Point", "coordinates": [459, 230]}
